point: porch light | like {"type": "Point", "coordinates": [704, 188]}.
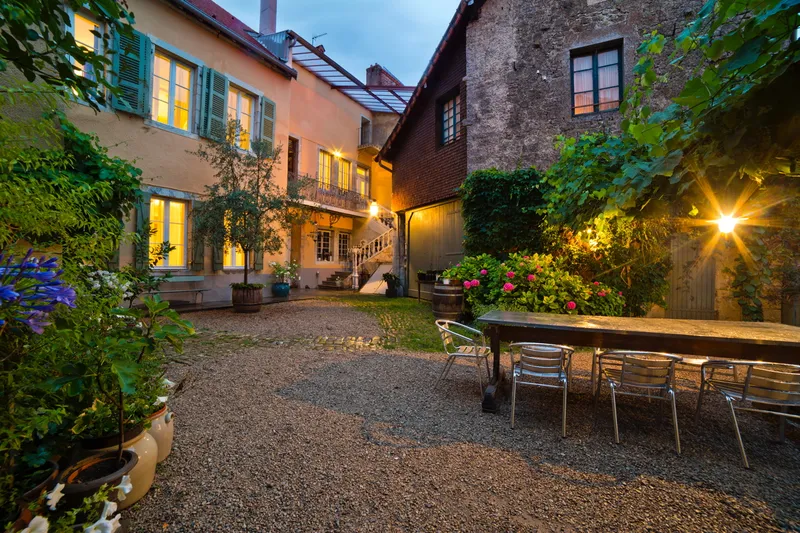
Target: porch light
{"type": "Point", "coordinates": [337, 154]}
{"type": "Point", "coordinates": [373, 209]}
{"type": "Point", "coordinates": [727, 223]}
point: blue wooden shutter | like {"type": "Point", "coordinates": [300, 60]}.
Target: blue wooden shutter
{"type": "Point", "coordinates": [131, 72]}
{"type": "Point", "coordinates": [214, 107]}
{"type": "Point", "coordinates": [217, 259]}
{"type": "Point", "coordinates": [258, 259]}
{"type": "Point", "coordinates": [268, 124]}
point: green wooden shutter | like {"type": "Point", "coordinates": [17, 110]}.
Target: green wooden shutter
{"type": "Point", "coordinates": [214, 107]}
{"type": "Point", "coordinates": [131, 72]}
{"type": "Point", "coordinates": [258, 259]}
{"type": "Point", "coordinates": [217, 259]}
{"type": "Point", "coordinates": [198, 246]}
{"type": "Point", "coordinates": [268, 123]}
{"type": "Point", "coordinates": [141, 255]}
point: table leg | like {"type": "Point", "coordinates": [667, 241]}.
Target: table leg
{"type": "Point", "coordinates": [492, 393]}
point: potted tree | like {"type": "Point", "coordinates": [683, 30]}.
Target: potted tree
{"type": "Point", "coordinates": [392, 284]}
{"type": "Point", "coordinates": [245, 209]}
{"type": "Point", "coordinates": [284, 274]}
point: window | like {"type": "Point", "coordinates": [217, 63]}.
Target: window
{"type": "Point", "coordinates": [172, 92]}
{"type": "Point", "coordinates": [82, 28]}
{"type": "Point", "coordinates": [233, 257]}
{"type": "Point", "coordinates": [324, 246]}
{"type": "Point", "coordinates": [344, 247]}
{"type": "Point", "coordinates": [325, 164]}
{"type": "Point", "coordinates": [451, 119]}
{"type": "Point", "coordinates": [362, 181]}
{"type": "Point", "coordinates": [596, 81]}
{"type": "Point", "coordinates": [168, 223]}
{"type": "Point", "coordinates": [240, 107]}
{"type": "Point", "coordinates": [345, 171]}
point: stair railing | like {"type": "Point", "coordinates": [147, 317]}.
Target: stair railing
{"type": "Point", "coordinates": [367, 251]}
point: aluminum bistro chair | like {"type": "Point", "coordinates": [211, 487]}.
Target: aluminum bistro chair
{"type": "Point", "coordinates": [541, 365]}
{"type": "Point", "coordinates": [775, 387]}
{"type": "Point", "coordinates": [463, 346]}
{"type": "Point", "coordinates": [643, 371]}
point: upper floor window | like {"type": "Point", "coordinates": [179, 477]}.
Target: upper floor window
{"type": "Point", "coordinates": [362, 181]}
{"type": "Point", "coordinates": [451, 119]}
{"type": "Point", "coordinates": [596, 80]}
{"type": "Point", "coordinates": [168, 223]}
{"type": "Point", "coordinates": [83, 27]}
{"type": "Point", "coordinates": [172, 92]}
{"type": "Point", "coordinates": [345, 171]}
{"type": "Point", "coordinates": [325, 164]}
{"type": "Point", "coordinates": [241, 107]}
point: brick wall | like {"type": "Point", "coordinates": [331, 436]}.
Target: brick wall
{"type": "Point", "coordinates": [425, 171]}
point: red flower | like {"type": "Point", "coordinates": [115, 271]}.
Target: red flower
{"type": "Point", "coordinates": [571, 305]}
{"type": "Point", "coordinates": [510, 274]}
{"type": "Point", "coordinates": [508, 287]}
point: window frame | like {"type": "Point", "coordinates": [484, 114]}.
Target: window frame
{"type": "Point", "coordinates": [340, 173]}
{"type": "Point", "coordinates": [366, 181]}
{"type": "Point", "coordinates": [455, 97]}
{"type": "Point", "coordinates": [229, 258]}
{"type": "Point", "coordinates": [594, 51]}
{"type": "Point", "coordinates": [173, 67]}
{"type": "Point", "coordinates": [166, 222]}
{"type": "Point", "coordinates": [331, 234]}
{"type": "Point", "coordinates": [101, 26]}
{"type": "Point", "coordinates": [254, 111]}
{"type": "Point", "coordinates": [339, 235]}
{"type": "Point", "coordinates": [322, 184]}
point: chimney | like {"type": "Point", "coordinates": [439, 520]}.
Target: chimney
{"type": "Point", "coordinates": [379, 76]}
{"type": "Point", "coordinates": [269, 13]}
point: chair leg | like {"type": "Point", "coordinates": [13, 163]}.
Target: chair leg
{"type": "Point", "coordinates": [738, 434]}
{"type": "Point", "coordinates": [480, 375]}
{"type": "Point", "coordinates": [675, 422]}
{"type": "Point", "coordinates": [594, 367]}
{"type": "Point", "coordinates": [699, 401]}
{"type": "Point", "coordinates": [513, 399]}
{"type": "Point", "coordinates": [445, 370]}
{"type": "Point", "coordinates": [564, 411]}
{"type": "Point", "coordinates": [614, 413]}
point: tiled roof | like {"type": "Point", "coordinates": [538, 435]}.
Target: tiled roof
{"type": "Point", "coordinates": [222, 16]}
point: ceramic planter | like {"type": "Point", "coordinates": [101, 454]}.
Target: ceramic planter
{"type": "Point", "coordinates": [246, 300]}
{"type": "Point", "coordinates": [77, 486]}
{"type": "Point", "coordinates": [144, 472]}
{"type": "Point", "coordinates": [280, 289]}
{"type": "Point", "coordinates": [25, 514]}
{"type": "Point", "coordinates": [162, 430]}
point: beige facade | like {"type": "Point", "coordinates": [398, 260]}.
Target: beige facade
{"type": "Point", "coordinates": [306, 110]}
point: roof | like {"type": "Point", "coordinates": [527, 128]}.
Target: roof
{"type": "Point", "coordinates": [466, 9]}
{"type": "Point", "coordinates": [214, 15]}
{"type": "Point", "coordinates": [377, 98]}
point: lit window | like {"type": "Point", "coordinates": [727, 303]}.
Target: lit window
{"type": "Point", "coordinates": [325, 163]}
{"type": "Point", "coordinates": [168, 223]}
{"type": "Point", "coordinates": [596, 81]}
{"type": "Point", "coordinates": [240, 107]}
{"type": "Point", "coordinates": [324, 246]}
{"type": "Point", "coordinates": [234, 257]}
{"type": "Point", "coordinates": [172, 92]}
{"type": "Point", "coordinates": [362, 177]}
{"type": "Point", "coordinates": [82, 28]}
{"type": "Point", "coordinates": [451, 120]}
{"type": "Point", "coordinates": [345, 170]}
{"type": "Point", "coordinates": [344, 247]}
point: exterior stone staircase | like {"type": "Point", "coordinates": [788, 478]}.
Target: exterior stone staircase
{"type": "Point", "coordinates": [377, 247]}
{"type": "Point", "coordinates": [338, 281]}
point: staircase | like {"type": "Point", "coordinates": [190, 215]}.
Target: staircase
{"type": "Point", "coordinates": [370, 250]}
{"type": "Point", "coordinates": [336, 281]}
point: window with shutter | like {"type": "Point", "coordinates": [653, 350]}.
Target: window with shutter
{"type": "Point", "coordinates": [268, 123]}
{"type": "Point", "coordinates": [131, 66]}
{"type": "Point", "coordinates": [214, 112]}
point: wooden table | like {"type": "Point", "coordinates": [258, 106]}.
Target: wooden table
{"type": "Point", "coordinates": [755, 341]}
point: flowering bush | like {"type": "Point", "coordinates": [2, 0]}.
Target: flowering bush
{"type": "Point", "coordinates": [286, 272]}
{"type": "Point", "coordinates": [536, 283]}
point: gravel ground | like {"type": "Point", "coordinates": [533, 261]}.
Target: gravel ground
{"type": "Point", "coordinates": [290, 439]}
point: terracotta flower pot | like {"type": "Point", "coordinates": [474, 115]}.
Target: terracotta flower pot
{"type": "Point", "coordinates": [246, 300]}
{"type": "Point", "coordinates": [162, 430]}
{"type": "Point", "coordinates": [25, 514]}
{"type": "Point", "coordinates": [80, 480]}
{"type": "Point", "coordinates": [144, 472]}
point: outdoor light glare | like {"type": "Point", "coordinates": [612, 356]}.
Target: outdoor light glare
{"type": "Point", "coordinates": [373, 209]}
{"type": "Point", "coordinates": [337, 154]}
{"type": "Point", "coordinates": [726, 223]}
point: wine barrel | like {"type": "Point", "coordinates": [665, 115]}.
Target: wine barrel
{"type": "Point", "coordinates": [247, 300]}
{"type": "Point", "coordinates": [448, 300]}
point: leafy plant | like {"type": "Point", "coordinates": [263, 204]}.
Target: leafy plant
{"type": "Point", "coordinates": [285, 272]}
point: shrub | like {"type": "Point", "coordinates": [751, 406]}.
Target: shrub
{"type": "Point", "coordinates": [536, 283]}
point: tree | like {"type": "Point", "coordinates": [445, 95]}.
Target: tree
{"type": "Point", "coordinates": [36, 38]}
{"type": "Point", "coordinates": [246, 207]}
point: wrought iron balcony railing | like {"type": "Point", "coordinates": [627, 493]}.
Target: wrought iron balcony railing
{"type": "Point", "coordinates": [330, 195]}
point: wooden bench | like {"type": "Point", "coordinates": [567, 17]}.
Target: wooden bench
{"type": "Point", "coordinates": [183, 279]}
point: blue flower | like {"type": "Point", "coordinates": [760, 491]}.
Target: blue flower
{"type": "Point", "coordinates": [7, 292]}
{"type": "Point", "coordinates": [62, 294]}
{"type": "Point", "coordinates": [35, 321]}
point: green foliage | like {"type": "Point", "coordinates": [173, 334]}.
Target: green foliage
{"type": "Point", "coordinates": [247, 286]}
{"type": "Point", "coordinates": [36, 39]}
{"type": "Point", "coordinates": [285, 272]}
{"type": "Point", "coordinates": [500, 211]}
{"type": "Point", "coordinates": [245, 207]}
{"type": "Point", "coordinates": [536, 283]}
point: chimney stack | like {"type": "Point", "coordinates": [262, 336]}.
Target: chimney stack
{"type": "Point", "coordinates": [269, 13]}
{"type": "Point", "coordinates": [378, 75]}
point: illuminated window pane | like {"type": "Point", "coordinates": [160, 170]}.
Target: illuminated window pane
{"type": "Point", "coordinates": [156, 228]}
{"type": "Point", "coordinates": [345, 169]}
{"type": "Point", "coordinates": [172, 92]}
{"type": "Point", "coordinates": [168, 219]}
{"type": "Point", "coordinates": [240, 107]}
{"type": "Point", "coordinates": [82, 32]}
{"type": "Point", "coordinates": [325, 163]}
{"type": "Point", "coordinates": [596, 84]}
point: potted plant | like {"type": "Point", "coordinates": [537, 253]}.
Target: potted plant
{"type": "Point", "coordinates": [392, 284]}
{"type": "Point", "coordinates": [246, 208]}
{"type": "Point", "coordinates": [284, 274]}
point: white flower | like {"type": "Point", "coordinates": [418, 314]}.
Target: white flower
{"type": "Point", "coordinates": [168, 383]}
{"type": "Point", "coordinates": [125, 487]}
{"type": "Point", "coordinates": [161, 399]}
{"type": "Point", "coordinates": [95, 285]}
{"type": "Point", "coordinates": [54, 497]}
{"type": "Point", "coordinates": [39, 524]}
{"type": "Point", "coordinates": [105, 524]}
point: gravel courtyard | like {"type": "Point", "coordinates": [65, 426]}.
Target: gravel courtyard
{"type": "Point", "coordinates": [280, 435]}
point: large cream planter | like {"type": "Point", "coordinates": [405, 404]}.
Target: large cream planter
{"type": "Point", "coordinates": [143, 474]}
{"type": "Point", "coordinates": [162, 429]}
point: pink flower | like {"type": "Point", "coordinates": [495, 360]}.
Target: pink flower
{"type": "Point", "coordinates": [601, 293]}
{"type": "Point", "coordinates": [510, 274]}
{"type": "Point", "coordinates": [620, 293]}
{"type": "Point", "coordinates": [521, 264]}
{"type": "Point", "coordinates": [467, 284]}
{"type": "Point", "coordinates": [597, 283]}
{"type": "Point", "coordinates": [531, 277]}
{"type": "Point", "coordinates": [508, 287]}
{"type": "Point", "coordinates": [571, 305]}
{"type": "Point", "coordinates": [458, 264]}
{"type": "Point", "coordinates": [475, 283]}
{"type": "Point", "coordinates": [484, 272]}
{"type": "Point", "coordinates": [525, 257]}
{"type": "Point", "coordinates": [539, 268]}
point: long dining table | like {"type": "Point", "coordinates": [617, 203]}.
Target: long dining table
{"type": "Point", "coordinates": [754, 341]}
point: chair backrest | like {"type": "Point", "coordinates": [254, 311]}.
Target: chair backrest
{"type": "Point", "coordinates": [773, 383]}
{"type": "Point", "coordinates": [451, 339]}
{"type": "Point", "coordinates": [543, 360]}
{"type": "Point", "coordinates": [647, 370]}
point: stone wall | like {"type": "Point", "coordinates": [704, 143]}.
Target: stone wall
{"type": "Point", "coordinates": [518, 65]}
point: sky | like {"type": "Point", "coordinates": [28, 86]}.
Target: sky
{"type": "Point", "coordinates": [401, 35]}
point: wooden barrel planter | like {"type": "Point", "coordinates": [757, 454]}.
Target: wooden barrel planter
{"type": "Point", "coordinates": [448, 301]}
{"type": "Point", "coordinates": [247, 300]}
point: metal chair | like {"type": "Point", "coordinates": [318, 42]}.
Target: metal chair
{"type": "Point", "coordinates": [538, 364]}
{"type": "Point", "coordinates": [646, 371]}
{"type": "Point", "coordinates": [458, 345]}
{"type": "Point", "coordinates": [767, 384]}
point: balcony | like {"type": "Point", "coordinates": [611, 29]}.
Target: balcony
{"type": "Point", "coordinates": [329, 196]}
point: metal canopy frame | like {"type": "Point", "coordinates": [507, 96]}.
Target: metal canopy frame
{"type": "Point", "coordinates": [377, 98]}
